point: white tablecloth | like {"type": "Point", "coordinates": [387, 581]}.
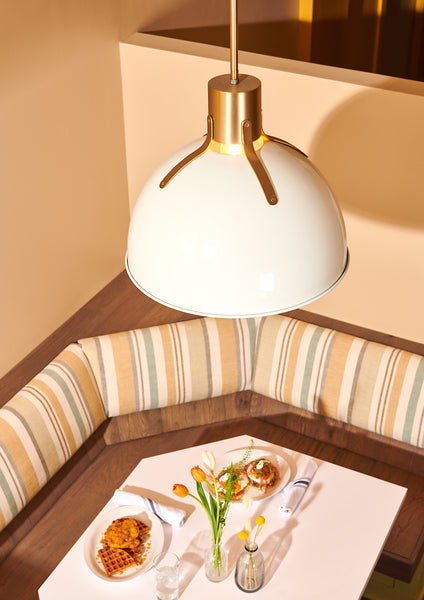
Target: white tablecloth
{"type": "Point", "coordinates": [326, 550]}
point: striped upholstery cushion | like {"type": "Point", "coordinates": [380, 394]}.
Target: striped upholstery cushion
{"type": "Point", "coordinates": [370, 385]}
{"type": "Point", "coordinates": [43, 425]}
{"type": "Point", "coordinates": [171, 364]}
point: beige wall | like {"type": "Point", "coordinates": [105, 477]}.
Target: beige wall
{"type": "Point", "coordinates": [63, 184]}
{"type": "Point", "coordinates": [364, 132]}
{"type": "Point", "coordinates": [63, 188]}
{"type": "Point", "coordinates": [64, 203]}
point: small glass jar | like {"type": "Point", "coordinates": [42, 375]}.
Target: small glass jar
{"type": "Point", "coordinates": [250, 570]}
{"type": "Point", "coordinates": [216, 562]}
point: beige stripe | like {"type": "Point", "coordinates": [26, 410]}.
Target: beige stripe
{"type": "Point", "coordinates": [124, 382]}
{"type": "Point", "coordinates": [335, 376]}
{"type": "Point", "coordinates": [169, 360]}
{"type": "Point", "coordinates": [5, 513]}
{"type": "Point", "coordinates": [378, 386]}
{"type": "Point", "coordinates": [41, 416]}
{"type": "Point", "coordinates": [240, 352]}
{"type": "Point", "coordinates": [228, 353]}
{"type": "Point", "coordinates": [265, 365]}
{"type": "Point", "coordinates": [215, 357]}
{"type": "Point", "coordinates": [59, 408]}
{"type": "Point", "coordinates": [194, 344]}
{"type": "Point", "coordinates": [283, 355]}
{"type": "Point", "coordinates": [89, 348]}
{"type": "Point", "coordinates": [178, 362]}
{"type": "Point", "coordinates": [394, 394]}
{"type": "Point", "coordinates": [108, 372]}
{"type": "Point", "coordinates": [8, 415]}
{"type": "Point", "coordinates": [295, 368]}
{"type": "Point", "coordinates": [362, 404]}
{"type": "Point", "coordinates": [385, 389]}
{"type": "Point", "coordinates": [19, 453]}
{"type": "Point", "coordinates": [56, 407]}
{"type": "Point", "coordinates": [80, 373]}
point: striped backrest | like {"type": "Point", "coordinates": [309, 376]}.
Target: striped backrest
{"type": "Point", "coordinates": [43, 425]}
{"type": "Point", "coordinates": [171, 364]}
{"type": "Point", "coordinates": [373, 386]}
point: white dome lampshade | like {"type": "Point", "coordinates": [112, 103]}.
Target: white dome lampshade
{"type": "Point", "coordinates": [239, 223]}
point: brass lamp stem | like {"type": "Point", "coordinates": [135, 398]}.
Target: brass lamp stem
{"type": "Point", "coordinates": [234, 42]}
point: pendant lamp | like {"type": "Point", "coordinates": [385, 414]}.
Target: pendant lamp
{"type": "Point", "coordinates": [238, 223]}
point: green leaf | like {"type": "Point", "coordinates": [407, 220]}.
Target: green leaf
{"type": "Point", "coordinates": [210, 513]}
{"type": "Point", "coordinates": [228, 492]}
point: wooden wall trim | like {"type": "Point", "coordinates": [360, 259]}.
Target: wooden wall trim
{"type": "Point", "coordinates": [120, 306]}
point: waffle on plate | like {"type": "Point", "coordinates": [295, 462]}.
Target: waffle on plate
{"type": "Point", "coordinates": [123, 545]}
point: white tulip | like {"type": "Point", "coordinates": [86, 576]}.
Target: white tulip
{"type": "Point", "coordinates": [208, 459]}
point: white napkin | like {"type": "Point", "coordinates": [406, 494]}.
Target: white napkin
{"type": "Point", "coordinates": [169, 514]}
{"type": "Point", "coordinates": [293, 492]}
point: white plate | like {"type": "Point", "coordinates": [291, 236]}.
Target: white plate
{"type": "Point", "coordinates": [98, 527]}
{"type": "Point", "coordinates": [234, 456]}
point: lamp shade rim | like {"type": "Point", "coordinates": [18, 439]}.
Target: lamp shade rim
{"type": "Point", "coordinates": [231, 315]}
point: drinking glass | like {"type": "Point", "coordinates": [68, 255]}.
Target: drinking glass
{"type": "Point", "coordinates": [166, 567]}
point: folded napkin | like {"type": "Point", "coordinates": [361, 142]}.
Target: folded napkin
{"type": "Point", "coordinates": [294, 491]}
{"type": "Point", "coordinates": [169, 514]}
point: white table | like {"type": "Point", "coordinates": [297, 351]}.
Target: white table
{"type": "Point", "coordinates": [326, 550]}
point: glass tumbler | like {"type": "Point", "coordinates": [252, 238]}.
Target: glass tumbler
{"type": "Point", "coordinates": [166, 567]}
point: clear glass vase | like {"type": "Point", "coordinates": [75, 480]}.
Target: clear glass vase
{"type": "Point", "coordinates": [216, 563]}
{"type": "Point", "coordinates": [250, 569]}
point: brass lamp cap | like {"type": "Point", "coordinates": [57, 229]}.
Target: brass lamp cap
{"type": "Point", "coordinates": [232, 103]}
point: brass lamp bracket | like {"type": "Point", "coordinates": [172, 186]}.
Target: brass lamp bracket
{"type": "Point", "coordinates": [256, 164]}
{"type": "Point", "coordinates": [249, 150]}
{"type": "Point", "coordinates": [188, 159]}
{"type": "Point", "coordinates": [271, 138]}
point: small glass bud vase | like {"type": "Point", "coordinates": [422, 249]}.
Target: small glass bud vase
{"type": "Point", "coordinates": [216, 563]}
{"type": "Point", "coordinates": [250, 569]}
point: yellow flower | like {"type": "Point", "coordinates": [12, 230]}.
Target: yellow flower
{"type": "Point", "coordinates": [260, 520]}
{"type": "Point", "coordinates": [243, 535]}
{"type": "Point", "coordinates": [180, 490]}
{"type": "Point", "coordinates": [198, 474]}
{"type": "Point", "coordinates": [208, 459]}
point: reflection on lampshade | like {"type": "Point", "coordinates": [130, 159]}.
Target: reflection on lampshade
{"type": "Point", "coordinates": [238, 223]}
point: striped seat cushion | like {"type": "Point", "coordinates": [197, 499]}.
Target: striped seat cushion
{"type": "Point", "coordinates": [43, 425]}
{"type": "Point", "coordinates": [171, 364]}
{"type": "Point", "coordinates": [370, 385]}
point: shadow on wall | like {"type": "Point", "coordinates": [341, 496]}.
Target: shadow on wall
{"type": "Point", "coordinates": [371, 149]}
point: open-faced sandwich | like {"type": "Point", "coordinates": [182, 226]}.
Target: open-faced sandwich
{"type": "Point", "coordinates": [240, 483]}
{"type": "Point", "coordinates": [261, 473]}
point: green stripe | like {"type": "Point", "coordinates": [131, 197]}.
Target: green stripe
{"type": "Point", "coordinates": [251, 325]}
{"type": "Point", "coordinates": [412, 404]}
{"type": "Point", "coordinates": [151, 366]}
{"type": "Point", "coordinates": [85, 405]}
{"type": "Point", "coordinates": [309, 364]}
{"type": "Point", "coordinates": [70, 398]}
{"type": "Point", "coordinates": [33, 423]}
{"type": "Point", "coordinates": [6, 488]}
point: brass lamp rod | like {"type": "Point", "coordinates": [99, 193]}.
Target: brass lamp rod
{"type": "Point", "coordinates": [234, 42]}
